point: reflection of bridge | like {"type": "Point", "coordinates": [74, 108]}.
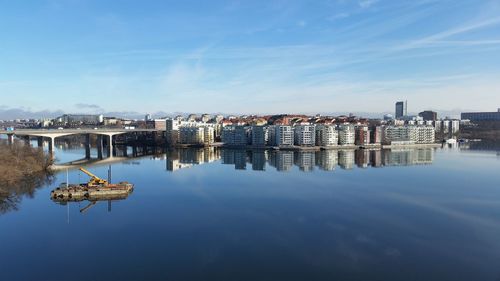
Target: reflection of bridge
{"type": "Point", "coordinates": [121, 156]}
{"type": "Point", "coordinates": [88, 162]}
{"type": "Point", "coordinates": [53, 134]}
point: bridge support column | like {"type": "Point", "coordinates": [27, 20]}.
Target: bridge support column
{"type": "Point", "coordinates": [134, 150]}
{"type": "Point", "coordinates": [87, 146]}
{"type": "Point", "coordinates": [110, 146]}
{"type": "Point", "coordinates": [10, 138]}
{"type": "Point", "coordinates": [26, 139]}
{"type": "Point", "coordinates": [99, 147]}
{"type": "Point", "coordinates": [40, 141]}
{"type": "Point", "coordinates": [52, 144]}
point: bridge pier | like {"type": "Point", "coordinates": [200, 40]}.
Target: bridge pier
{"type": "Point", "coordinates": [110, 146]}
{"type": "Point", "coordinates": [40, 141]}
{"type": "Point", "coordinates": [87, 146]}
{"type": "Point", "coordinates": [99, 147]}
{"type": "Point", "coordinates": [10, 138]}
{"type": "Point", "coordinates": [52, 145]}
{"type": "Point", "coordinates": [26, 140]}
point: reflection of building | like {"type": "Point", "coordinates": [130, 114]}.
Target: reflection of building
{"type": "Point", "coordinates": [259, 160]}
{"type": "Point", "coordinates": [376, 158]}
{"type": "Point", "coordinates": [282, 160]}
{"type": "Point", "coordinates": [406, 157]}
{"type": "Point", "coordinates": [227, 156]}
{"type": "Point", "coordinates": [192, 156]}
{"type": "Point", "coordinates": [362, 158]}
{"type": "Point", "coordinates": [305, 160]}
{"type": "Point", "coordinates": [346, 159]}
{"type": "Point", "coordinates": [174, 165]}
{"type": "Point", "coordinates": [240, 159]}
{"type": "Point", "coordinates": [327, 159]}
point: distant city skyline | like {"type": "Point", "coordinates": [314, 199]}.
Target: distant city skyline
{"type": "Point", "coordinates": [263, 57]}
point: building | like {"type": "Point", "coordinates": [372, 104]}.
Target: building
{"type": "Point", "coordinates": [326, 135]}
{"type": "Point", "coordinates": [235, 135]}
{"type": "Point", "coordinates": [205, 118]}
{"type": "Point", "coordinates": [408, 134]}
{"type": "Point", "coordinates": [259, 135]}
{"type": "Point", "coordinates": [346, 135]}
{"type": "Point", "coordinates": [376, 135]}
{"type": "Point", "coordinates": [191, 135]}
{"type": "Point", "coordinates": [304, 135]}
{"type": "Point", "coordinates": [399, 135]}
{"type": "Point", "coordinates": [438, 126]}
{"type": "Point", "coordinates": [425, 134]}
{"type": "Point", "coordinates": [280, 135]}
{"type": "Point", "coordinates": [428, 115]}
{"type": "Point", "coordinates": [401, 109]}
{"type": "Point", "coordinates": [481, 116]}
{"type": "Point", "coordinates": [208, 135]}
{"type": "Point", "coordinates": [362, 135]}
{"type": "Point", "coordinates": [160, 124]}
{"type": "Point", "coordinates": [147, 117]}
{"type": "Point", "coordinates": [80, 119]}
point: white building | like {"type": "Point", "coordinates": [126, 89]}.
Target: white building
{"type": "Point", "coordinates": [283, 135]}
{"type": "Point", "coordinates": [409, 134]}
{"type": "Point", "coordinates": [191, 135]}
{"type": "Point", "coordinates": [346, 134]}
{"type": "Point", "coordinates": [326, 135]}
{"type": "Point", "coordinates": [425, 134]}
{"type": "Point", "coordinates": [305, 135]}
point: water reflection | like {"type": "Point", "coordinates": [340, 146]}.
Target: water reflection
{"type": "Point", "coordinates": [306, 161]}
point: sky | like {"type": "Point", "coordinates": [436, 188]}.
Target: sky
{"type": "Point", "coordinates": [93, 56]}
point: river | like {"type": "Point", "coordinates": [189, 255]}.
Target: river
{"type": "Point", "coordinates": [218, 214]}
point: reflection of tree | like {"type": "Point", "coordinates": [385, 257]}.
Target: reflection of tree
{"type": "Point", "coordinates": [23, 169]}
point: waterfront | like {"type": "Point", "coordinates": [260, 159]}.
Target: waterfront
{"type": "Point", "coordinates": [220, 214]}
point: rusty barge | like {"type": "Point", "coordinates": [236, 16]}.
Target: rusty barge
{"type": "Point", "coordinates": [96, 189]}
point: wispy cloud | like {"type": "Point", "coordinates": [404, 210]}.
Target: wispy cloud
{"type": "Point", "coordinates": [367, 3]}
{"type": "Point", "coordinates": [449, 33]}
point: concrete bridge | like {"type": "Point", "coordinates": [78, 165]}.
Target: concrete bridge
{"type": "Point", "coordinates": [53, 134]}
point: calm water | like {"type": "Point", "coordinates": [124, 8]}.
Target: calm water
{"type": "Point", "coordinates": [431, 214]}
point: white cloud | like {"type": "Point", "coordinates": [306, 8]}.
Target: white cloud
{"type": "Point", "coordinates": [302, 23]}
{"type": "Point", "coordinates": [364, 4]}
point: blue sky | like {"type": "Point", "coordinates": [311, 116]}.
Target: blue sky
{"type": "Point", "coordinates": [249, 56]}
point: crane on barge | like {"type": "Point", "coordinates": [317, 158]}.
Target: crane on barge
{"type": "Point", "coordinates": [94, 180]}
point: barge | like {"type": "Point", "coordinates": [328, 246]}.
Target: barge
{"type": "Point", "coordinates": [96, 189]}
